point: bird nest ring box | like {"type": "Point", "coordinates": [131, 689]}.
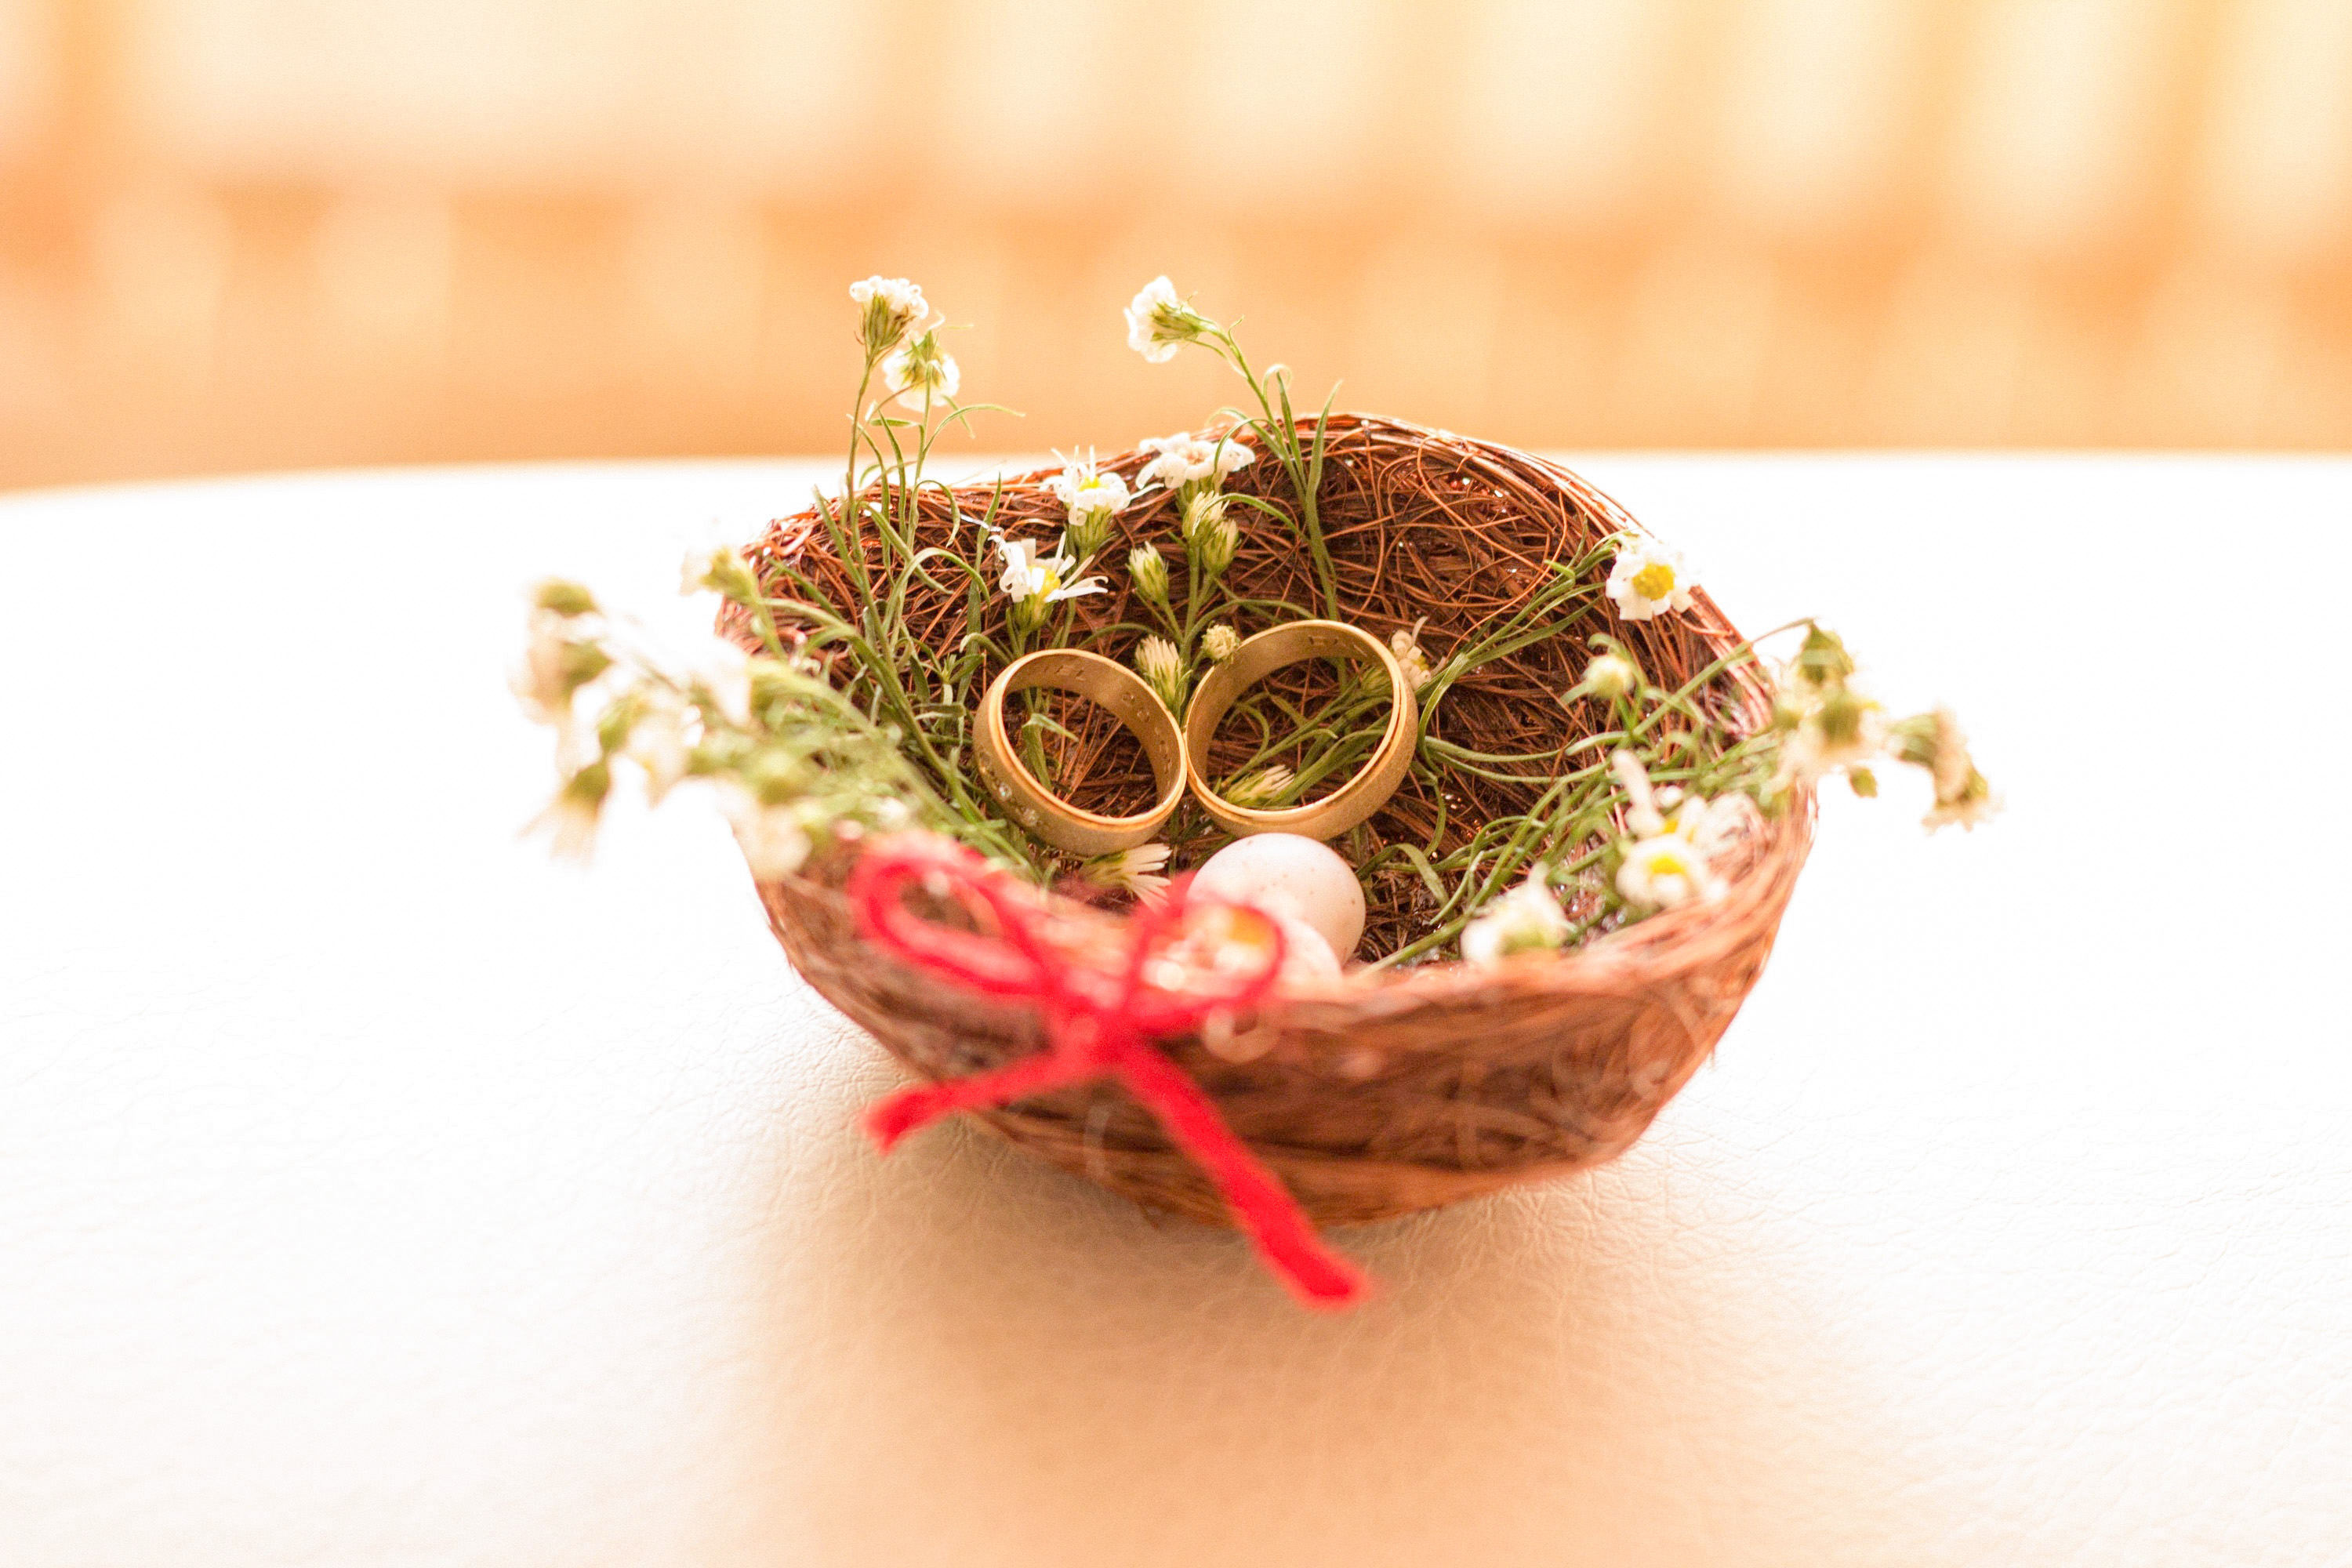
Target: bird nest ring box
{"type": "Point", "coordinates": [1395, 1086]}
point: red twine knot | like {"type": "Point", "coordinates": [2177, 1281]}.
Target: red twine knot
{"type": "Point", "coordinates": [1102, 1011]}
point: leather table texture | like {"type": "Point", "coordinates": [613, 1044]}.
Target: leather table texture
{"type": "Point", "coordinates": [374, 1190]}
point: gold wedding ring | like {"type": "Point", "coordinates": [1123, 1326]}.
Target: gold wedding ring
{"type": "Point", "coordinates": [1113, 686]}
{"type": "Point", "coordinates": [1268, 651]}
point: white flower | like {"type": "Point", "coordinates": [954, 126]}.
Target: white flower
{"type": "Point", "coordinates": [1219, 641]}
{"type": "Point", "coordinates": [1666, 870]}
{"type": "Point", "coordinates": [1641, 813]}
{"type": "Point", "coordinates": [1528, 919]}
{"type": "Point", "coordinates": [1187, 459]}
{"type": "Point", "coordinates": [720, 673]}
{"type": "Point", "coordinates": [572, 817]}
{"type": "Point", "coordinates": [1648, 579]}
{"type": "Point", "coordinates": [889, 307]}
{"type": "Point", "coordinates": [1159, 323]}
{"type": "Point", "coordinates": [1972, 803]}
{"type": "Point", "coordinates": [1137, 870]}
{"type": "Point", "coordinates": [556, 663]}
{"type": "Point", "coordinates": [1262, 787]}
{"type": "Point", "coordinates": [658, 743]}
{"type": "Point", "coordinates": [1844, 728]}
{"type": "Point", "coordinates": [1612, 676]}
{"type": "Point", "coordinates": [1034, 581]}
{"type": "Point", "coordinates": [1084, 489]}
{"type": "Point", "coordinates": [921, 373]}
{"type": "Point", "coordinates": [773, 842]}
{"type": "Point", "coordinates": [1162, 669]}
{"type": "Point", "coordinates": [1409, 653]}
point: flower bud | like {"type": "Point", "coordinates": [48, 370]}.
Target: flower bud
{"type": "Point", "coordinates": [1087, 532]}
{"type": "Point", "coordinates": [1150, 570]}
{"type": "Point", "coordinates": [1162, 669]}
{"type": "Point", "coordinates": [1219, 641]}
{"type": "Point", "coordinates": [558, 597]}
{"type": "Point", "coordinates": [1612, 676]}
{"type": "Point", "coordinates": [1214, 544]}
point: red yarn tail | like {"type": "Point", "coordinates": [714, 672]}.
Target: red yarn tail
{"type": "Point", "coordinates": [1261, 1204]}
{"type": "Point", "coordinates": [912, 1109]}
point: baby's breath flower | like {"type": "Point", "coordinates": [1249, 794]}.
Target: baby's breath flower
{"type": "Point", "coordinates": [1162, 669]}
{"type": "Point", "coordinates": [1159, 323]}
{"type": "Point", "coordinates": [1407, 647]}
{"type": "Point", "coordinates": [1138, 871]}
{"type": "Point", "coordinates": [1184, 459]}
{"type": "Point", "coordinates": [1150, 570]}
{"type": "Point", "coordinates": [922, 373]}
{"type": "Point", "coordinates": [774, 841]}
{"type": "Point", "coordinates": [1648, 579]}
{"type": "Point", "coordinates": [571, 817]}
{"type": "Point", "coordinates": [887, 307]}
{"type": "Point", "coordinates": [1528, 919]}
{"type": "Point", "coordinates": [1034, 581]}
{"type": "Point", "coordinates": [1612, 676]}
{"type": "Point", "coordinates": [1665, 871]}
{"type": "Point", "coordinates": [1263, 788]}
{"type": "Point", "coordinates": [1219, 642]}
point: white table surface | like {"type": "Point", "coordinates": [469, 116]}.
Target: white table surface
{"type": "Point", "coordinates": [373, 1191]}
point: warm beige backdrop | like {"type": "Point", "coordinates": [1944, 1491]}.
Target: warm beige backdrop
{"type": "Point", "coordinates": [265, 232]}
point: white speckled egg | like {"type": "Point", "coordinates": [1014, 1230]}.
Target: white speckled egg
{"type": "Point", "coordinates": [1288, 874]}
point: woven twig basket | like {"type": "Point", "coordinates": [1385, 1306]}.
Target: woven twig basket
{"type": "Point", "coordinates": [1390, 1090]}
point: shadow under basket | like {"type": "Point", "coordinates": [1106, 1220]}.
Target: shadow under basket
{"type": "Point", "coordinates": [1395, 1089]}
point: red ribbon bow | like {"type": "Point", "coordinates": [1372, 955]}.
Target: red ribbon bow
{"type": "Point", "coordinates": [1099, 1022]}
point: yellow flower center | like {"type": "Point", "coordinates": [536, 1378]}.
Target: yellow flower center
{"type": "Point", "coordinates": [1666, 863]}
{"type": "Point", "coordinates": [1655, 581]}
{"type": "Point", "coordinates": [1048, 581]}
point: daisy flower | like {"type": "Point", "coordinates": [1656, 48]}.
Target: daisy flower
{"type": "Point", "coordinates": [1185, 459]}
{"type": "Point", "coordinates": [571, 817]}
{"type": "Point", "coordinates": [555, 665]}
{"type": "Point", "coordinates": [1410, 654]}
{"type": "Point", "coordinates": [922, 373]}
{"type": "Point", "coordinates": [1034, 581]}
{"type": "Point", "coordinates": [1159, 323]}
{"type": "Point", "coordinates": [1528, 919]}
{"type": "Point", "coordinates": [1084, 489]}
{"type": "Point", "coordinates": [1665, 871]}
{"type": "Point", "coordinates": [888, 307]}
{"type": "Point", "coordinates": [1649, 578]}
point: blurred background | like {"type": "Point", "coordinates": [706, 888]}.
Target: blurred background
{"type": "Point", "coordinates": [266, 233]}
